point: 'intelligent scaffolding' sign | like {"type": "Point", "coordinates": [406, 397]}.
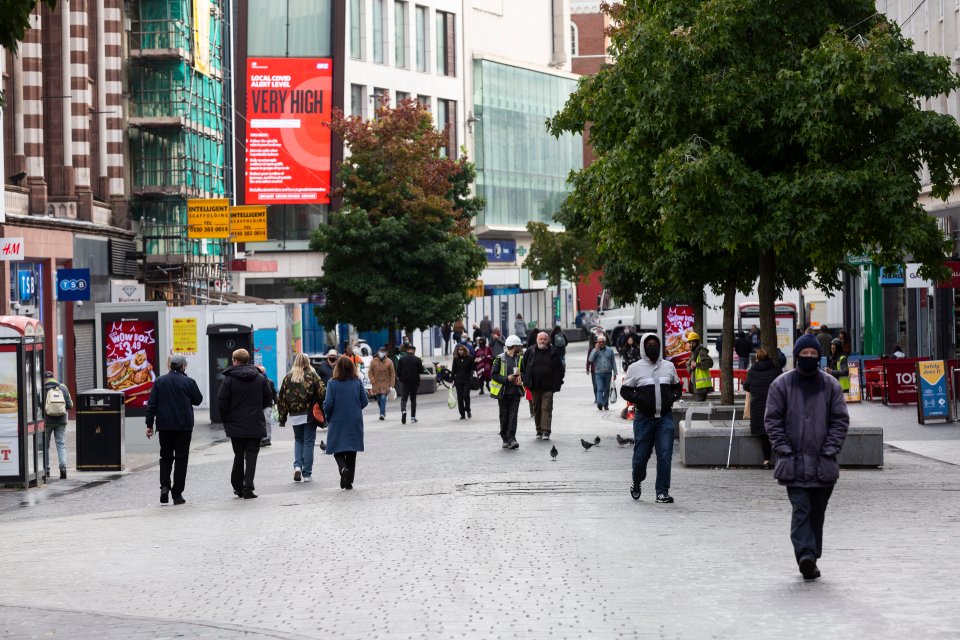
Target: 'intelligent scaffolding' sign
{"type": "Point", "coordinates": [208, 218]}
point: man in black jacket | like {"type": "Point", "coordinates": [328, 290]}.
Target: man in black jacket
{"type": "Point", "coordinates": [408, 372]}
{"type": "Point", "coordinates": [171, 403]}
{"type": "Point", "coordinates": [542, 372]}
{"type": "Point", "coordinates": [244, 394]}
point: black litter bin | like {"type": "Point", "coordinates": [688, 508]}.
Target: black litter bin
{"type": "Point", "coordinates": [100, 444]}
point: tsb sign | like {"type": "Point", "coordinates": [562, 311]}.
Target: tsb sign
{"type": "Point", "coordinates": [73, 285]}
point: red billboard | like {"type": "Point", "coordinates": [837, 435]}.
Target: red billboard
{"type": "Point", "coordinates": [289, 105]}
{"type": "Point", "coordinates": [130, 357]}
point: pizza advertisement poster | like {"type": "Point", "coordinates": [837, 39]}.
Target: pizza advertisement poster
{"type": "Point", "coordinates": [678, 321]}
{"type": "Point", "coordinates": [130, 353]}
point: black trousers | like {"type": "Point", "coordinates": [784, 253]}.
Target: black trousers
{"type": "Point", "coordinates": [463, 397]}
{"type": "Point", "coordinates": [409, 391]}
{"type": "Point", "coordinates": [174, 453]}
{"type": "Point", "coordinates": [509, 406]}
{"type": "Point", "coordinates": [245, 452]}
{"type": "Point", "coordinates": [806, 524]}
{"type": "Point", "coordinates": [348, 460]}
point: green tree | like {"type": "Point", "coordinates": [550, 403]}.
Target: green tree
{"type": "Point", "coordinates": [400, 253]}
{"type": "Point", "coordinates": [790, 132]}
{"type": "Point", "coordinates": [16, 20]}
{"type": "Point", "coordinates": [559, 255]}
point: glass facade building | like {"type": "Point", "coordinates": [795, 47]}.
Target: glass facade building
{"type": "Point", "coordinates": [521, 169]}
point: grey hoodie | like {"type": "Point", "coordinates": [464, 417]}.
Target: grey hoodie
{"type": "Point", "coordinates": [651, 385]}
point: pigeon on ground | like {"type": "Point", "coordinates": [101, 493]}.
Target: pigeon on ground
{"type": "Point", "coordinates": [586, 445]}
{"type": "Point", "coordinates": [323, 446]}
{"type": "Point", "coordinates": [596, 440]}
{"type": "Point", "coordinates": [622, 441]}
{"type": "Point", "coordinates": [553, 452]}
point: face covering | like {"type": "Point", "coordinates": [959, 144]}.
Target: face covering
{"type": "Point", "coordinates": [382, 354]}
{"type": "Point", "coordinates": [652, 351]}
{"type": "Point", "coordinates": [807, 365]}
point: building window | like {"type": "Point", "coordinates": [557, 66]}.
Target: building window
{"type": "Point", "coordinates": [358, 96]}
{"type": "Point", "coordinates": [447, 115]}
{"type": "Point", "coordinates": [401, 96]}
{"type": "Point", "coordinates": [446, 44]}
{"type": "Point", "coordinates": [422, 38]}
{"type": "Point", "coordinates": [356, 29]}
{"type": "Point", "coordinates": [574, 40]}
{"type": "Point", "coordinates": [297, 28]}
{"type": "Point", "coordinates": [379, 32]}
{"type": "Point", "coordinates": [425, 101]}
{"type": "Point", "coordinates": [379, 94]}
{"type": "Point", "coordinates": [401, 24]}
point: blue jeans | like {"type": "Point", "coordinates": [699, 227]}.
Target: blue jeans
{"type": "Point", "coordinates": [603, 387]}
{"type": "Point", "coordinates": [59, 435]}
{"type": "Point", "coordinates": [304, 438]}
{"type": "Point", "coordinates": [382, 403]}
{"type": "Point", "coordinates": [647, 433]}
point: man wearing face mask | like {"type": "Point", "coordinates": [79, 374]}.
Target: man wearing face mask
{"type": "Point", "coordinates": [807, 421]}
{"type": "Point", "coordinates": [382, 377]}
{"type": "Point", "coordinates": [542, 373]}
{"type": "Point", "coordinates": [604, 367]}
{"type": "Point", "coordinates": [652, 385]}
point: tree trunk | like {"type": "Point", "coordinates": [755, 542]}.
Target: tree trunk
{"type": "Point", "coordinates": [726, 357]}
{"type": "Point", "coordinates": [700, 316]}
{"type": "Point", "coordinates": [767, 297]}
{"type": "Point", "coordinates": [392, 338]}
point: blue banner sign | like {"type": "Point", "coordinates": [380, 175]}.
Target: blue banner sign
{"type": "Point", "coordinates": [73, 285]}
{"type": "Point", "coordinates": [891, 278]}
{"type": "Point", "coordinates": [500, 250]}
{"type": "Point", "coordinates": [932, 398]}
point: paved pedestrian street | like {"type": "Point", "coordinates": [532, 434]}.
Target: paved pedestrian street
{"type": "Point", "coordinates": [447, 535]}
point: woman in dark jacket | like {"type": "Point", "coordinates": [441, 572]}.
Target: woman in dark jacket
{"type": "Point", "coordinates": [462, 368]}
{"type": "Point", "coordinates": [343, 408]}
{"type": "Point", "coordinates": [631, 352]}
{"type": "Point", "coordinates": [759, 377]}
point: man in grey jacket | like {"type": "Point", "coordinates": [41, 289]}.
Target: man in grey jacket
{"type": "Point", "coordinates": [807, 421]}
{"type": "Point", "coordinates": [604, 366]}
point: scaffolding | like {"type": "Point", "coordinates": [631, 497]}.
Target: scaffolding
{"type": "Point", "coordinates": [177, 139]}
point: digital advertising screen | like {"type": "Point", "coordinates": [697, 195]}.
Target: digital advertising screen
{"type": "Point", "coordinates": [130, 357]}
{"type": "Point", "coordinates": [289, 108]}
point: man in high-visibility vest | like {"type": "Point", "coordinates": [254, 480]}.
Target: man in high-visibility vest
{"type": "Point", "coordinates": [507, 387]}
{"type": "Point", "coordinates": [699, 366]}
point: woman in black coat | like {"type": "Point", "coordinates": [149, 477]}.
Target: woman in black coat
{"type": "Point", "coordinates": [763, 372]}
{"type": "Point", "coordinates": [462, 370]}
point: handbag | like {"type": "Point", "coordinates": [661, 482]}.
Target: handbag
{"type": "Point", "coordinates": [476, 383]}
{"type": "Point", "coordinates": [451, 398]}
{"type": "Point", "coordinates": [274, 413]}
{"type": "Point", "coordinates": [614, 396]}
{"type": "Point", "coordinates": [392, 394]}
{"type": "Point", "coordinates": [316, 411]}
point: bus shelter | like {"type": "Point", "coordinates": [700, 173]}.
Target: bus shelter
{"type": "Point", "coordinates": [21, 406]}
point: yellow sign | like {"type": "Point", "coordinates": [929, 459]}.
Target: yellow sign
{"type": "Point", "coordinates": [208, 218]}
{"type": "Point", "coordinates": [248, 223]}
{"type": "Point", "coordinates": [853, 395]}
{"type": "Point", "coordinates": [477, 289]}
{"type": "Point", "coordinates": [185, 336]}
{"type": "Point", "coordinates": [932, 371]}
{"type": "Point", "coordinates": [201, 36]}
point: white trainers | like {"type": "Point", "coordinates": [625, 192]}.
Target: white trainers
{"type": "Point", "coordinates": [308, 478]}
{"type": "Point", "coordinates": [297, 474]}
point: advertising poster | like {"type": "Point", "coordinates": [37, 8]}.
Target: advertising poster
{"type": "Point", "coordinates": [853, 395]}
{"type": "Point", "coordinates": [201, 36]}
{"type": "Point", "coordinates": [208, 218]}
{"type": "Point", "coordinates": [901, 380]}
{"type": "Point", "coordinates": [289, 104]}
{"type": "Point", "coordinates": [678, 321]}
{"type": "Point", "coordinates": [185, 336]}
{"type": "Point", "coordinates": [9, 422]}
{"type": "Point", "coordinates": [130, 357]}
{"type": "Point", "coordinates": [933, 400]}
{"type": "Point", "coordinates": [248, 224]}
{"type": "Point", "coordinates": [265, 352]}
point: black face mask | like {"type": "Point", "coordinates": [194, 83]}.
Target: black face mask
{"type": "Point", "coordinates": [652, 351]}
{"type": "Point", "coordinates": [808, 365]}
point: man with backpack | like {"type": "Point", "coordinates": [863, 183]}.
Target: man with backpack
{"type": "Point", "coordinates": [56, 403]}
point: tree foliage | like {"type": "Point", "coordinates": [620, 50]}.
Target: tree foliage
{"type": "Point", "coordinates": [559, 255]}
{"type": "Point", "coordinates": [400, 253]}
{"type": "Point", "coordinates": [16, 20]}
{"type": "Point", "coordinates": [767, 140]}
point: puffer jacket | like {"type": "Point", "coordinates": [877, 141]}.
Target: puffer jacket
{"type": "Point", "coordinates": [244, 394]}
{"type": "Point", "coordinates": [807, 422]}
{"type": "Point", "coordinates": [759, 378]}
{"type": "Point", "coordinates": [652, 386]}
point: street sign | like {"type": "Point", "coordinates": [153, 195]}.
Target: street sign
{"type": "Point", "coordinates": [901, 379]}
{"type": "Point", "coordinates": [859, 261]}
{"type": "Point", "coordinates": [248, 223]}
{"type": "Point", "coordinates": [73, 285]}
{"type": "Point", "coordinates": [208, 218]}
{"type": "Point", "coordinates": [932, 398]}
{"type": "Point", "coordinates": [11, 248]}
{"type": "Point", "coordinates": [476, 290]}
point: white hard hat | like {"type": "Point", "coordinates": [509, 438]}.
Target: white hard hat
{"type": "Point", "coordinates": [513, 341]}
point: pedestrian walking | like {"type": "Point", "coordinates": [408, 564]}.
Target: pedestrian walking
{"type": "Point", "coordinates": [698, 366]}
{"type": "Point", "coordinates": [170, 409]}
{"type": "Point", "coordinates": [743, 347]}
{"type": "Point", "coordinates": [483, 363]}
{"type": "Point", "coordinates": [824, 337]}
{"type": "Point", "coordinates": [300, 390]}
{"type": "Point", "coordinates": [652, 385]}
{"type": "Point", "coordinates": [542, 373]}
{"type": "Point", "coordinates": [382, 376]}
{"type": "Point", "coordinates": [631, 352]}
{"type": "Point", "coordinates": [759, 378]}
{"type": "Point", "coordinates": [755, 337]}
{"type": "Point", "coordinates": [807, 421]}
{"type": "Point", "coordinates": [507, 388]}
{"type": "Point", "coordinates": [458, 331]}
{"type": "Point", "coordinates": [462, 368]}
{"type": "Point", "coordinates": [268, 412]}
{"type": "Point", "coordinates": [445, 332]}
{"type": "Point", "coordinates": [604, 366]}
{"type": "Point", "coordinates": [57, 404]}
{"type": "Point", "coordinates": [343, 408]}
{"type": "Point", "coordinates": [244, 394]}
{"type": "Point", "coordinates": [476, 333]}
{"type": "Point", "coordinates": [486, 327]}
{"type": "Point", "coordinates": [622, 338]}
{"type": "Point", "coordinates": [520, 327]}
{"type": "Point", "coordinates": [408, 373]}
{"type": "Point", "coordinates": [559, 341]}
{"type": "Point", "coordinates": [497, 342]}
{"type": "Point", "coordinates": [596, 332]}
{"type": "Point", "coordinates": [324, 368]}
{"type": "Point", "coordinates": [837, 364]}
{"type": "Point", "coordinates": [845, 339]}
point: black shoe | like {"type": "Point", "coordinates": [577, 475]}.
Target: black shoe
{"type": "Point", "coordinates": [248, 494]}
{"type": "Point", "coordinates": [469, 415]}
{"type": "Point", "coordinates": [514, 444]}
{"type": "Point", "coordinates": [463, 417]}
{"type": "Point", "coordinates": [238, 493]}
{"type": "Point", "coordinates": [664, 498]}
{"type": "Point", "coordinates": [63, 473]}
{"type": "Point", "coordinates": [343, 478]}
{"type": "Point", "coordinates": [164, 495]}
{"type": "Point", "coordinates": [265, 442]}
{"type": "Point", "coordinates": [403, 417]}
{"type": "Point", "coordinates": [413, 419]}
{"type": "Point", "coordinates": [606, 407]}
{"type": "Point", "coordinates": [382, 417]}
{"type": "Point", "coordinates": [808, 568]}
{"type": "Point", "coordinates": [599, 407]}
{"type": "Point", "coordinates": [178, 499]}
{"type": "Point", "coordinates": [635, 491]}
{"type": "Point", "coordinates": [765, 466]}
